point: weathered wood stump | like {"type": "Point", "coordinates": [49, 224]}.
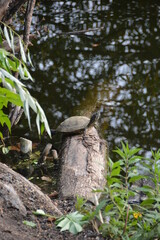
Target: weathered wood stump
{"type": "Point", "coordinates": [83, 164]}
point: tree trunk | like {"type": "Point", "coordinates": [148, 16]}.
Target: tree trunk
{"type": "Point", "coordinates": [14, 6]}
{"type": "Point", "coordinates": [3, 7]}
{"type": "Point", "coordinates": [83, 165]}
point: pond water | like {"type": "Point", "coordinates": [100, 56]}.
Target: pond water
{"type": "Point", "coordinates": [102, 54]}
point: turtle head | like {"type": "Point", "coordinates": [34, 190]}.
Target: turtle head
{"type": "Point", "coordinates": [94, 118]}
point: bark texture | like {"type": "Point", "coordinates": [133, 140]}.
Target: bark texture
{"type": "Point", "coordinates": [83, 165]}
{"type": "Point", "coordinates": [3, 7]}
{"type": "Point", "coordinates": [14, 6]}
{"type": "Point", "coordinates": [18, 193]}
{"type": "Point", "coordinates": [28, 20]}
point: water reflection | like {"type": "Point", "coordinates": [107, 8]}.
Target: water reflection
{"type": "Point", "coordinates": [116, 63]}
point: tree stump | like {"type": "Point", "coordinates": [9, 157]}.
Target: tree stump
{"type": "Point", "coordinates": [83, 165]}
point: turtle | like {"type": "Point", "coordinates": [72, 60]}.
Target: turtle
{"type": "Point", "coordinates": [77, 123]}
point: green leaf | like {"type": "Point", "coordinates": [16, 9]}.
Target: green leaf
{"type": "Point", "coordinates": [147, 202]}
{"type": "Point", "coordinates": [10, 96]}
{"type": "Point", "coordinates": [118, 163]}
{"type": "Point", "coordinates": [119, 152]}
{"type": "Point", "coordinates": [27, 113]}
{"type": "Point", "coordinates": [1, 135]}
{"type": "Point", "coordinates": [4, 119]}
{"type": "Point", "coordinates": [22, 51]}
{"type": "Point", "coordinates": [9, 63]}
{"type": "Point", "coordinates": [75, 228]}
{"type": "Point", "coordinates": [64, 225]}
{"type": "Point", "coordinates": [29, 223]}
{"type": "Point", "coordinates": [136, 178]}
{"type": "Point", "coordinates": [134, 160]}
{"type": "Point", "coordinates": [7, 36]}
{"type": "Point", "coordinates": [145, 189]}
{"type": "Point", "coordinates": [116, 185]}
{"type": "Point", "coordinates": [116, 172]}
{"type": "Point", "coordinates": [108, 207]}
{"type": "Point", "coordinates": [12, 41]}
{"type": "Point", "coordinates": [38, 123]}
{"type": "Point", "coordinates": [100, 205]}
{"type": "Point", "coordinates": [112, 180]}
{"type": "Point", "coordinates": [8, 75]}
{"type": "Point", "coordinates": [31, 102]}
{"type": "Point", "coordinates": [71, 222]}
{"type": "Point", "coordinates": [29, 59]}
{"type": "Point", "coordinates": [133, 151]}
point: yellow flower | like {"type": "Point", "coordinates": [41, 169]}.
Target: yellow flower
{"type": "Point", "coordinates": [137, 215]}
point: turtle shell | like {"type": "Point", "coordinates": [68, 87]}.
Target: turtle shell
{"type": "Point", "coordinates": [73, 124]}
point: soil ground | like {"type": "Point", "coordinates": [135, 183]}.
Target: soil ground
{"type": "Point", "coordinates": [12, 228]}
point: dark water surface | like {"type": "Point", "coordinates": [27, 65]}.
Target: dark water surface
{"type": "Point", "coordinates": [115, 65]}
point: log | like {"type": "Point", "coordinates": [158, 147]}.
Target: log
{"type": "Point", "coordinates": [82, 165]}
{"type": "Point", "coordinates": [18, 193]}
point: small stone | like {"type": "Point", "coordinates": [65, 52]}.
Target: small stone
{"type": "Point", "coordinates": [25, 145]}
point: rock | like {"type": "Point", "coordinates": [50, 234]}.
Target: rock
{"type": "Point", "coordinates": [25, 145]}
{"type": "Point", "coordinates": [10, 198]}
{"type": "Point", "coordinates": [29, 196]}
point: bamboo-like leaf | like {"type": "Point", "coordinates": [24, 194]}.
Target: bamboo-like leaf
{"type": "Point", "coordinates": [21, 93]}
{"type": "Point", "coordinates": [12, 41]}
{"type": "Point", "coordinates": [5, 83]}
{"type": "Point", "coordinates": [28, 74]}
{"type": "Point", "coordinates": [22, 51]}
{"type": "Point", "coordinates": [7, 36]}
{"type": "Point", "coordinates": [43, 119]}
{"type": "Point", "coordinates": [27, 113]}
{"type": "Point", "coordinates": [21, 72]}
{"type": "Point", "coordinates": [29, 58]}
{"type": "Point", "coordinates": [38, 123]}
{"type": "Point", "coordinates": [8, 75]}
{"type": "Point", "coordinates": [32, 103]}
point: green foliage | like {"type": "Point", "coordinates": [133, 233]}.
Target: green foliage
{"type": "Point", "coordinates": [119, 215]}
{"type": "Point", "coordinates": [124, 217]}
{"type": "Point", "coordinates": [72, 222]}
{"type": "Point", "coordinates": [12, 90]}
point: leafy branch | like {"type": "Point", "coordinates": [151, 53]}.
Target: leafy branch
{"type": "Point", "coordinates": [13, 90]}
